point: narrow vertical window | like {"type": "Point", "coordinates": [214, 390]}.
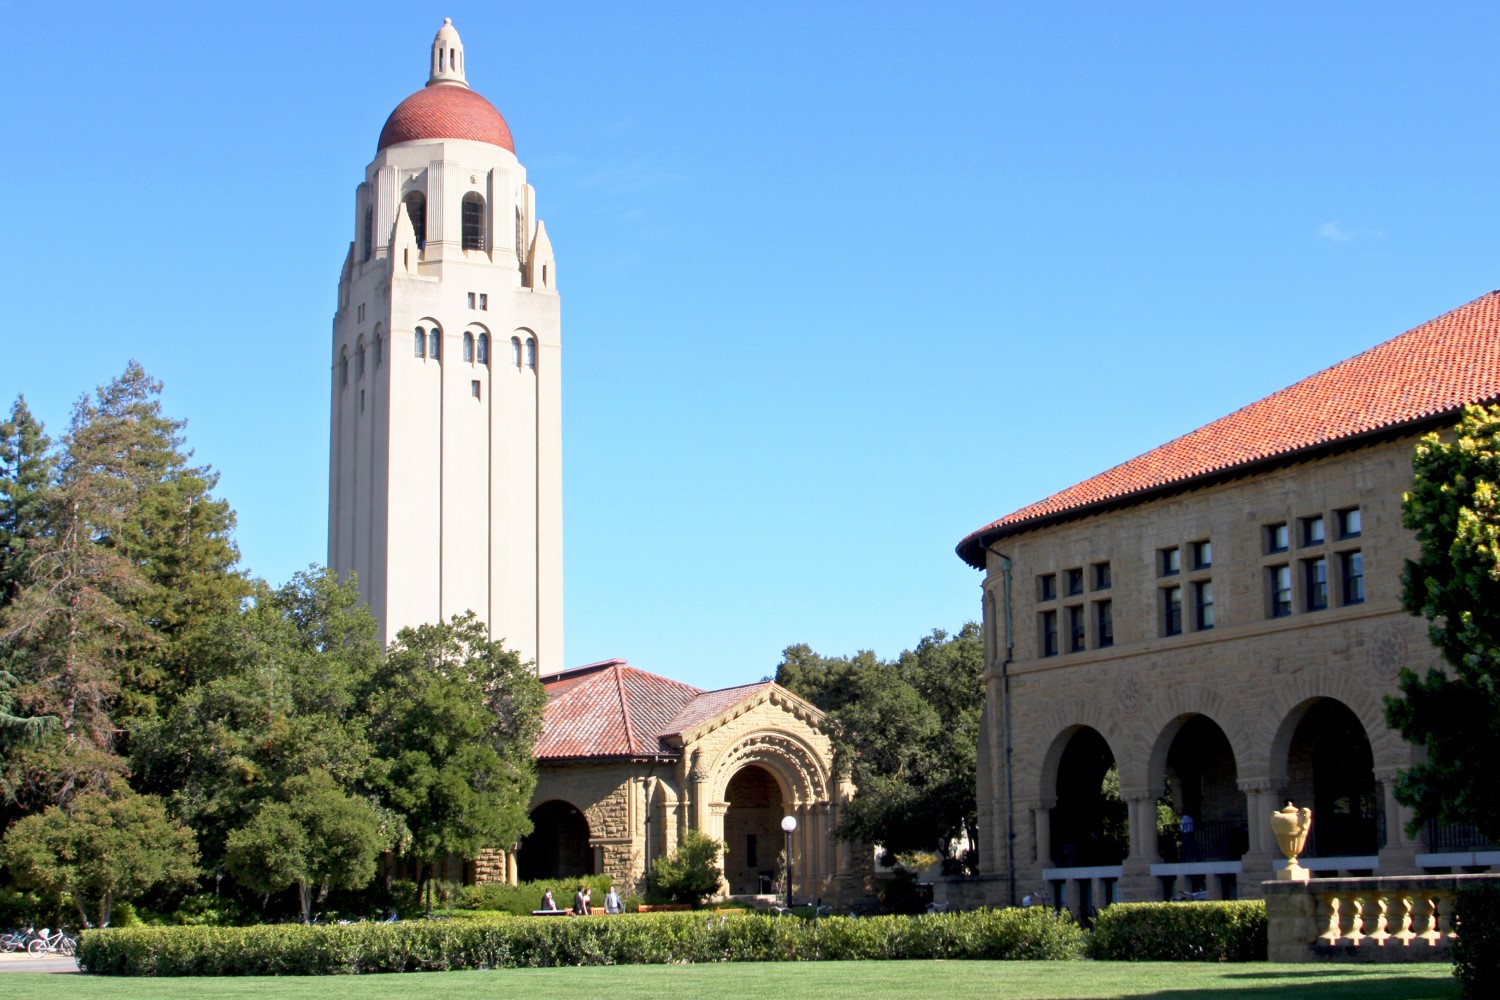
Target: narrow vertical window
{"type": "Point", "coordinates": [474, 388]}
{"type": "Point", "coordinates": [1312, 530]}
{"type": "Point", "coordinates": [1315, 573]}
{"type": "Point", "coordinates": [471, 300]}
{"type": "Point", "coordinates": [1046, 587]}
{"type": "Point", "coordinates": [379, 351]}
{"type": "Point", "coordinates": [484, 349]}
{"type": "Point", "coordinates": [368, 236]}
{"type": "Point", "coordinates": [515, 351]}
{"type": "Point", "coordinates": [484, 302]}
{"type": "Point", "coordinates": [1349, 523]}
{"type": "Point", "coordinates": [1281, 590]}
{"type": "Point", "coordinates": [1276, 537]}
{"type": "Point", "coordinates": [1203, 602]}
{"type": "Point", "coordinates": [1203, 555]}
{"type": "Point", "coordinates": [468, 347]}
{"type": "Point", "coordinates": [1075, 629]}
{"type": "Point", "coordinates": [1104, 624]}
{"type": "Point", "coordinates": [359, 361]}
{"type": "Point", "coordinates": [473, 222]}
{"type": "Point", "coordinates": [435, 344]}
{"type": "Point", "coordinates": [343, 370]}
{"type": "Point", "coordinates": [531, 353]}
{"type": "Point", "coordinates": [416, 211]}
{"type": "Point", "coordinates": [1354, 576]}
{"type": "Point", "coordinates": [1171, 611]}
{"type": "Point", "coordinates": [419, 346]}
{"type": "Point", "coordinates": [1101, 576]}
{"type": "Point", "coordinates": [1049, 633]}
{"type": "Point", "coordinates": [1171, 561]}
{"type": "Point", "coordinates": [1075, 581]}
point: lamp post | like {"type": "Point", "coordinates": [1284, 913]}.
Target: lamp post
{"type": "Point", "coordinates": [789, 824]}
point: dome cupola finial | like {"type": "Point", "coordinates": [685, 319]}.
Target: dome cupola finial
{"type": "Point", "coordinates": [447, 56]}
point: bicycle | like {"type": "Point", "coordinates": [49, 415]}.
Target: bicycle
{"type": "Point", "coordinates": [51, 944]}
{"type": "Point", "coordinates": [16, 940]}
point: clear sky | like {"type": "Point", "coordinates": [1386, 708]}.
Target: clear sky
{"type": "Point", "coordinates": [841, 282]}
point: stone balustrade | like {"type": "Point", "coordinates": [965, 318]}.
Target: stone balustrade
{"type": "Point", "coordinates": [1395, 919]}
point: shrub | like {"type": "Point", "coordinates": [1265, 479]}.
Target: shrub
{"type": "Point", "coordinates": [521, 899]}
{"type": "Point", "coordinates": [492, 942]}
{"type": "Point", "coordinates": [1229, 931]}
{"type": "Point", "coordinates": [690, 874]}
{"type": "Point", "coordinates": [1476, 952]}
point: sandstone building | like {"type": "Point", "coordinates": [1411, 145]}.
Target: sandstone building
{"type": "Point", "coordinates": [1212, 625]}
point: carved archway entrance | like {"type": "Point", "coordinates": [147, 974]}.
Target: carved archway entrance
{"type": "Point", "coordinates": [1090, 821]}
{"type": "Point", "coordinates": [752, 830]}
{"type": "Point", "coordinates": [558, 845]}
{"type": "Point", "coordinates": [1331, 767]}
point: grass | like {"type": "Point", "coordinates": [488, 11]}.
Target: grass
{"type": "Point", "coordinates": [805, 981]}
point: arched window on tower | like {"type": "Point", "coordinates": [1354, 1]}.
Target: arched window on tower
{"type": "Point", "coordinates": [344, 369]}
{"type": "Point", "coordinates": [515, 351]}
{"type": "Point", "coordinates": [473, 218]}
{"type": "Point", "coordinates": [359, 359]}
{"type": "Point", "coordinates": [368, 235]}
{"type": "Point", "coordinates": [435, 344]}
{"type": "Point", "coordinates": [468, 347]}
{"type": "Point", "coordinates": [416, 211]}
{"type": "Point", "coordinates": [484, 349]}
{"type": "Point", "coordinates": [419, 348]}
{"type": "Point", "coordinates": [379, 347]}
{"type": "Point", "coordinates": [531, 353]}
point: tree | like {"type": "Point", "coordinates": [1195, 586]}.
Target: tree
{"type": "Point", "coordinates": [27, 465]}
{"type": "Point", "coordinates": [454, 717]}
{"type": "Point", "coordinates": [690, 874]}
{"type": "Point", "coordinates": [907, 734]}
{"type": "Point", "coordinates": [1454, 508]}
{"type": "Point", "coordinates": [314, 836]}
{"type": "Point", "coordinates": [101, 849]}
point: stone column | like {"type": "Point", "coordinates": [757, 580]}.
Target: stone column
{"type": "Point", "coordinates": [1136, 881]}
{"type": "Point", "coordinates": [1256, 865]}
{"type": "Point", "coordinates": [1399, 855]}
{"type": "Point", "coordinates": [1041, 814]}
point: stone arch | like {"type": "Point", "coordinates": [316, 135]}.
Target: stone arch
{"type": "Point", "coordinates": [1064, 721]}
{"type": "Point", "coordinates": [1088, 825]}
{"type": "Point", "coordinates": [754, 806]}
{"type": "Point", "coordinates": [1292, 696]}
{"type": "Point", "coordinates": [558, 845]}
{"type": "Point", "coordinates": [1178, 705]}
{"type": "Point", "coordinates": [1322, 756]}
{"type": "Point", "coordinates": [1196, 767]}
{"type": "Point", "coordinates": [802, 774]}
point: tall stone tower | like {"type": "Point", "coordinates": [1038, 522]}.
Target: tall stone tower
{"type": "Point", "coordinates": [445, 467]}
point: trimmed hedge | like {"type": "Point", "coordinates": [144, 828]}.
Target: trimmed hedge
{"type": "Point", "coordinates": [1228, 931]}
{"type": "Point", "coordinates": [633, 939]}
{"type": "Point", "coordinates": [1476, 952]}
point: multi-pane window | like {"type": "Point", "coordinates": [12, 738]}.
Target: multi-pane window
{"type": "Point", "coordinates": [1276, 537]}
{"type": "Point", "coordinates": [1104, 624]}
{"type": "Point", "coordinates": [1312, 530]}
{"type": "Point", "coordinates": [1203, 554]}
{"type": "Point", "coordinates": [1171, 561]}
{"type": "Point", "coordinates": [1101, 576]}
{"type": "Point", "coordinates": [1349, 523]}
{"type": "Point", "coordinates": [531, 353]}
{"type": "Point", "coordinates": [473, 222]}
{"type": "Point", "coordinates": [1315, 582]}
{"type": "Point", "coordinates": [484, 349]}
{"type": "Point", "coordinates": [1203, 605]}
{"type": "Point", "coordinates": [1281, 590]}
{"type": "Point", "coordinates": [434, 344]}
{"type": "Point", "coordinates": [468, 347]}
{"type": "Point", "coordinates": [1075, 581]}
{"type": "Point", "coordinates": [1046, 587]}
{"type": "Point", "coordinates": [1049, 633]}
{"type": "Point", "coordinates": [1075, 629]}
{"type": "Point", "coordinates": [419, 345]}
{"type": "Point", "coordinates": [515, 351]}
{"type": "Point", "coordinates": [1354, 576]}
{"type": "Point", "coordinates": [1171, 610]}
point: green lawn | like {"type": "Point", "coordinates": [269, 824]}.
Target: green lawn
{"type": "Point", "coordinates": [802, 981]}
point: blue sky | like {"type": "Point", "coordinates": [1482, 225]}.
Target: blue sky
{"type": "Point", "coordinates": [841, 282]}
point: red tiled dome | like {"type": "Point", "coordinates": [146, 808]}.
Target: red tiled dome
{"type": "Point", "coordinates": [444, 111]}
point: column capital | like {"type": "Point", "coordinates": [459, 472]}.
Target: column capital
{"type": "Point", "coordinates": [1252, 786]}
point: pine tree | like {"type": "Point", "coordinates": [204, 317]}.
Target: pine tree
{"type": "Point", "coordinates": [27, 466]}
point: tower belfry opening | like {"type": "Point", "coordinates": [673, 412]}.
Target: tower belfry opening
{"type": "Point", "coordinates": [445, 465]}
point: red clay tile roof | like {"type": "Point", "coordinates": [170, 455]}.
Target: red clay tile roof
{"type": "Point", "coordinates": [445, 111]}
{"type": "Point", "coordinates": [611, 709]}
{"type": "Point", "coordinates": [1434, 369]}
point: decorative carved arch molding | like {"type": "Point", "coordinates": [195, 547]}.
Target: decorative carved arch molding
{"type": "Point", "coordinates": [793, 762]}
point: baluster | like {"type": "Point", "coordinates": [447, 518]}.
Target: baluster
{"type": "Point", "coordinates": [1332, 933]}
{"type": "Point", "coordinates": [1446, 930]}
{"type": "Point", "coordinates": [1430, 932]}
{"type": "Point", "coordinates": [1356, 920]}
{"type": "Point", "coordinates": [1406, 934]}
{"type": "Point", "coordinates": [1381, 934]}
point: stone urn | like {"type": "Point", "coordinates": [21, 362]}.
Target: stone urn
{"type": "Point", "coordinates": [1291, 826]}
